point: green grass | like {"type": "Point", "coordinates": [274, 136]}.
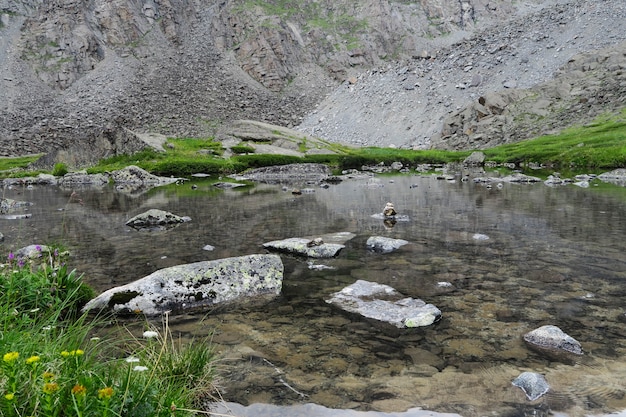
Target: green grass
{"type": "Point", "coordinates": [8, 164]}
{"type": "Point", "coordinates": [56, 362]}
{"type": "Point", "coordinates": [601, 144]}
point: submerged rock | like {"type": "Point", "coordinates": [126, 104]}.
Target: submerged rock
{"type": "Point", "coordinates": [382, 302]}
{"type": "Point", "coordinates": [155, 219]}
{"type": "Point", "coordinates": [289, 173]}
{"type": "Point", "coordinates": [383, 244]}
{"type": "Point", "coordinates": [617, 177]}
{"type": "Point", "coordinates": [8, 205]}
{"type": "Point", "coordinates": [534, 385]}
{"type": "Point", "coordinates": [195, 286]}
{"type": "Point", "coordinates": [552, 338]}
{"type": "Point", "coordinates": [82, 179]}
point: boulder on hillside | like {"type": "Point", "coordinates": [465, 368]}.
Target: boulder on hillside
{"type": "Point", "coordinates": [383, 303]}
{"type": "Point", "coordinates": [195, 286]}
{"type": "Point", "coordinates": [271, 139]}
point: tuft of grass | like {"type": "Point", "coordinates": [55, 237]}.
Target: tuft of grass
{"type": "Point", "coordinates": [59, 169]}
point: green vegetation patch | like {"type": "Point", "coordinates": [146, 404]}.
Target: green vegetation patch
{"type": "Point", "coordinates": [600, 144]}
{"type": "Point", "coordinates": [57, 364]}
{"type": "Point", "coordinates": [12, 164]}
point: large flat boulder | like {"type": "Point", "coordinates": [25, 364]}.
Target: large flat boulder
{"type": "Point", "coordinates": [382, 302]}
{"type": "Point", "coordinates": [196, 286]}
{"type": "Point", "coordinates": [382, 244]}
{"type": "Point", "coordinates": [324, 246]}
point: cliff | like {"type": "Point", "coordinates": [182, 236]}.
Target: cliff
{"type": "Point", "coordinates": [84, 78]}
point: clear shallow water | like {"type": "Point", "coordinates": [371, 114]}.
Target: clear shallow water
{"type": "Point", "coordinates": [554, 256]}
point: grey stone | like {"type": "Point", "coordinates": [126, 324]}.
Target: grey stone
{"type": "Point", "coordinates": [74, 179]}
{"type": "Point", "coordinates": [617, 177]}
{"type": "Point", "coordinates": [331, 244]}
{"type": "Point", "coordinates": [551, 337]}
{"type": "Point", "coordinates": [155, 219]}
{"type": "Point", "coordinates": [196, 286]}
{"type": "Point", "coordinates": [133, 175]}
{"type": "Point", "coordinates": [476, 158]}
{"type": "Point", "coordinates": [385, 244]}
{"type": "Point", "coordinates": [383, 303]}
{"type": "Point", "coordinates": [534, 385]}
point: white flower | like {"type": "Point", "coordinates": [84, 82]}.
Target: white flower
{"type": "Point", "coordinates": [149, 334]}
{"type": "Point", "coordinates": [132, 359]}
{"type": "Point", "coordinates": [140, 368]}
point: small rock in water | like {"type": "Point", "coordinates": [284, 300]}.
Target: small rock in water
{"type": "Point", "coordinates": [534, 385]}
{"type": "Point", "coordinates": [553, 338]}
{"type": "Point", "coordinates": [389, 210]}
{"type": "Point", "coordinates": [208, 247]}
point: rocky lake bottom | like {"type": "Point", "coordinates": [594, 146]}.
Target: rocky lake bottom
{"type": "Point", "coordinates": [497, 261]}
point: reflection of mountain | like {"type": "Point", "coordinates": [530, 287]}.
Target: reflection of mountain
{"type": "Point", "coordinates": [554, 255]}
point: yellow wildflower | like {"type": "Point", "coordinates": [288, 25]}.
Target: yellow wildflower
{"type": "Point", "coordinates": [77, 352]}
{"type": "Point", "coordinates": [50, 387]}
{"type": "Point", "coordinates": [105, 393]}
{"type": "Point", "coordinates": [33, 359]}
{"type": "Point", "coordinates": [9, 396]}
{"type": "Point", "coordinates": [79, 390]}
{"type": "Point", "coordinates": [10, 357]}
{"type": "Point", "coordinates": [48, 376]}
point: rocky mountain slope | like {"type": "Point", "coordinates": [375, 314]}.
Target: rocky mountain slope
{"type": "Point", "coordinates": [81, 79]}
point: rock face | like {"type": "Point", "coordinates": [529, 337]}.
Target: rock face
{"type": "Point", "coordinates": [325, 246]}
{"type": "Point", "coordinates": [534, 385]}
{"type": "Point", "coordinates": [552, 338]}
{"type": "Point", "coordinates": [383, 303]}
{"type": "Point", "coordinates": [85, 80]}
{"type": "Point", "coordinates": [195, 286]}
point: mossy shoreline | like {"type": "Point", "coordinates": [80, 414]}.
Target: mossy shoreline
{"type": "Point", "coordinates": [594, 146]}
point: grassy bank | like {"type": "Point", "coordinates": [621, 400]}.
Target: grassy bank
{"type": "Point", "coordinates": [598, 145]}
{"type": "Point", "coordinates": [56, 362]}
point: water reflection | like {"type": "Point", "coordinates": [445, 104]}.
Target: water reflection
{"type": "Point", "coordinates": [545, 256]}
